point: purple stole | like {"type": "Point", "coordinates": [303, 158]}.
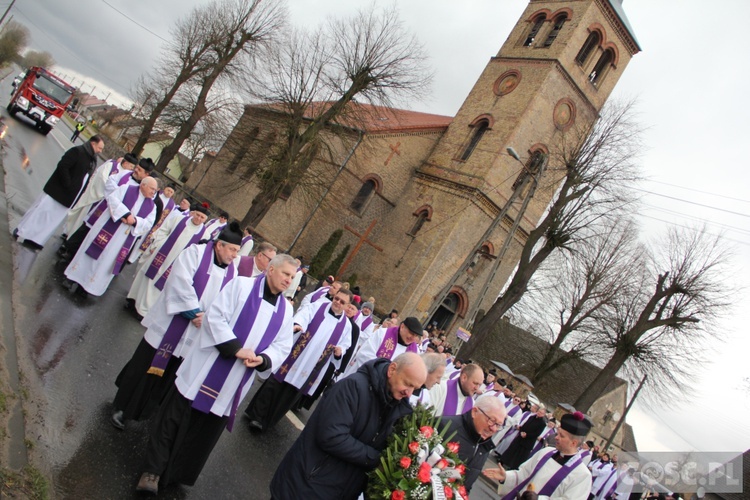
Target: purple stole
{"type": "Point", "coordinates": [366, 323]}
{"type": "Point", "coordinates": [552, 483]}
{"type": "Point", "coordinates": [115, 167]}
{"type": "Point", "coordinates": [102, 206]}
{"type": "Point", "coordinates": [110, 227]}
{"type": "Point", "coordinates": [490, 387]}
{"type": "Point", "coordinates": [246, 265]}
{"type": "Point", "coordinates": [614, 486]}
{"type": "Point", "coordinates": [450, 406]}
{"type": "Point", "coordinates": [454, 375]}
{"type": "Point", "coordinates": [302, 342]}
{"type": "Point", "coordinates": [245, 240]}
{"type": "Point", "coordinates": [216, 377]}
{"type": "Point", "coordinates": [540, 444]}
{"type": "Point", "coordinates": [514, 432]}
{"type": "Point", "coordinates": [179, 324]}
{"type": "Point", "coordinates": [512, 412]}
{"type": "Point", "coordinates": [388, 345]}
{"type": "Point", "coordinates": [162, 253]}
{"type": "Point", "coordinates": [508, 402]}
{"type": "Point", "coordinates": [150, 237]}
{"type": "Point", "coordinates": [319, 293]}
{"type": "Point", "coordinates": [216, 231]}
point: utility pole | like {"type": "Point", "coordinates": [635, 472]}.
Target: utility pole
{"type": "Point", "coordinates": [6, 11]}
{"type": "Point", "coordinates": [627, 409]}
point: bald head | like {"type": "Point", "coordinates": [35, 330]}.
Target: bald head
{"type": "Point", "coordinates": [406, 373]}
{"type": "Point", "coordinates": [149, 186]}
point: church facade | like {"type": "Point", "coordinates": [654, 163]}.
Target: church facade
{"type": "Point", "coordinates": [414, 193]}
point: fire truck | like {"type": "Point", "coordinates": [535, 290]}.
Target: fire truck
{"type": "Point", "coordinates": [41, 96]}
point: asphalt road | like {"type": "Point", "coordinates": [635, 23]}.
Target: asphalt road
{"type": "Point", "coordinates": [70, 349]}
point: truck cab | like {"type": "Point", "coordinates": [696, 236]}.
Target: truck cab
{"type": "Point", "coordinates": [40, 96]}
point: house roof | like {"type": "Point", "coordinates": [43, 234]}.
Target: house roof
{"type": "Point", "coordinates": [375, 119]}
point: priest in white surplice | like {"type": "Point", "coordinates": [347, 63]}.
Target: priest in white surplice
{"type": "Point", "coordinates": [214, 226]}
{"type": "Point", "coordinates": [130, 213]}
{"type": "Point", "coordinates": [197, 276]}
{"type": "Point", "coordinates": [248, 328]}
{"type": "Point", "coordinates": [322, 293]}
{"type": "Point", "coordinates": [174, 235]}
{"type": "Point", "coordinates": [387, 343]}
{"type": "Point", "coordinates": [365, 322]}
{"type": "Point", "coordinates": [322, 334]}
{"type": "Point", "coordinates": [556, 473]}
{"type": "Point", "coordinates": [252, 265]}
{"type": "Point", "coordinates": [94, 191]}
{"type": "Point", "coordinates": [456, 396]}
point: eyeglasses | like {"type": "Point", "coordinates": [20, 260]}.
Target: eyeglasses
{"type": "Point", "coordinates": [490, 420]}
{"type": "Point", "coordinates": [266, 256]}
{"type": "Point", "coordinates": [340, 301]}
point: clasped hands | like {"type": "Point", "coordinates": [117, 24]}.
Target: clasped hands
{"type": "Point", "coordinates": [249, 358]}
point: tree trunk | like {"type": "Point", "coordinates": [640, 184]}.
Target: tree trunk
{"type": "Point", "coordinates": [546, 365]}
{"type": "Point", "coordinates": [259, 207]}
{"type": "Point", "coordinates": [148, 127]}
{"type": "Point", "coordinates": [169, 152]}
{"type": "Point", "coordinates": [599, 384]}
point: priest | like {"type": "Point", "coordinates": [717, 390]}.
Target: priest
{"type": "Point", "coordinates": [387, 343]}
{"type": "Point", "coordinates": [322, 293]}
{"type": "Point", "coordinates": [196, 278]}
{"type": "Point", "coordinates": [130, 213]}
{"type": "Point", "coordinates": [60, 193]}
{"type": "Point", "coordinates": [175, 235]}
{"type": "Point", "coordinates": [365, 321]}
{"type": "Point", "coordinates": [247, 329]}
{"type": "Point", "coordinates": [214, 226]}
{"type": "Point", "coordinates": [165, 197]}
{"type": "Point", "coordinates": [456, 396]}
{"type": "Point", "coordinates": [322, 332]}
{"type": "Point", "coordinates": [253, 265]}
{"type": "Point", "coordinates": [555, 472]}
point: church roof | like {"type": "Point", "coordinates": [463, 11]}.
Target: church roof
{"type": "Point", "coordinates": [617, 6]}
{"type": "Point", "coordinates": [376, 119]}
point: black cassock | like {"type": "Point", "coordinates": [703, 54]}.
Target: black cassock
{"type": "Point", "coordinates": [520, 449]}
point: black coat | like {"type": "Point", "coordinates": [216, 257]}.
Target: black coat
{"type": "Point", "coordinates": [472, 449]}
{"type": "Point", "coordinates": [66, 181]}
{"type": "Point", "coordinates": [342, 440]}
{"type": "Point", "coordinates": [520, 449]}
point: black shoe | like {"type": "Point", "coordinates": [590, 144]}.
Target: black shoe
{"type": "Point", "coordinates": [15, 234]}
{"type": "Point", "coordinates": [130, 304]}
{"type": "Point", "coordinates": [255, 426]}
{"type": "Point", "coordinates": [32, 245]}
{"type": "Point", "coordinates": [117, 420]}
{"type": "Point", "coordinates": [62, 252]}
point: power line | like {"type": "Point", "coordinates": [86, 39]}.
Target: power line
{"type": "Point", "coordinates": [693, 203]}
{"type": "Point", "coordinates": [700, 191]}
{"type": "Point", "coordinates": [710, 222]}
{"type": "Point", "coordinates": [133, 21]}
{"type": "Point", "coordinates": [694, 229]}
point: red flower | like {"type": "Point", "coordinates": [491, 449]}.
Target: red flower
{"type": "Point", "coordinates": [442, 464]}
{"type": "Point", "coordinates": [462, 492]}
{"type": "Point", "coordinates": [424, 472]}
{"type": "Point", "coordinates": [414, 447]}
{"type": "Point", "coordinates": [448, 491]}
{"type": "Point", "coordinates": [461, 468]}
{"type": "Point", "coordinates": [398, 495]}
{"type": "Point", "coordinates": [426, 431]}
{"type": "Point", "coordinates": [405, 462]}
{"type": "Point", "coordinates": [452, 447]}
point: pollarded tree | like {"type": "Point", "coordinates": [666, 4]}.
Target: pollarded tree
{"type": "Point", "coordinates": [664, 325]}
{"type": "Point", "coordinates": [597, 166]}
{"type": "Point", "coordinates": [313, 81]}
{"type": "Point", "coordinates": [13, 40]}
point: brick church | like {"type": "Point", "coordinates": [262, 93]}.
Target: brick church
{"type": "Point", "coordinates": [415, 193]}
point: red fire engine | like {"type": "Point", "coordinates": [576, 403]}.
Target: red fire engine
{"type": "Point", "coordinates": [41, 96]}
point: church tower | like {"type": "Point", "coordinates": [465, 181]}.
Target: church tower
{"type": "Point", "coordinates": [555, 71]}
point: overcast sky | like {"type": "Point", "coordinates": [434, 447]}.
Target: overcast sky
{"type": "Point", "coordinates": [690, 82]}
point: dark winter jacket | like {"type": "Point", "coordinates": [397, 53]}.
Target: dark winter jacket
{"type": "Point", "coordinates": [472, 449]}
{"type": "Point", "coordinates": [342, 440]}
{"type": "Point", "coordinates": [66, 181]}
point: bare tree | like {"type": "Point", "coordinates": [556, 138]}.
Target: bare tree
{"type": "Point", "coordinates": [35, 58]}
{"type": "Point", "coordinates": [597, 169]}
{"type": "Point", "coordinates": [313, 81]}
{"type": "Point", "coordinates": [580, 286]}
{"type": "Point", "coordinates": [13, 39]}
{"type": "Point", "coordinates": [664, 325]}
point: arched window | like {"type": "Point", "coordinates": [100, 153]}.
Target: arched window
{"type": "Point", "coordinates": [479, 129]}
{"type": "Point", "coordinates": [602, 65]}
{"type": "Point", "coordinates": [538, 23]}
{"type": "Point", "coordinates": [363, 196]}
{"type": "Point", "coordinates": [532, 167]}
{"type": "Point", "coordinates": [422, 214]}
{"type": "Point", "coordinates": [593, 41]}
{"type": "Point", "coordinates": [260, 153]}
{"type": "Point", "coordinates": [242, 149]}
{"type": "Point", "coordinates": [559, 21]}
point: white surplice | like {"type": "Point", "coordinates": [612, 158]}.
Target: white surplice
{"type": "Point", "coordinates": [368, 351]}
{"type": "Point", "coordinates": [575, 486]}
{"type": "Point", "coordinates": [93, 193]}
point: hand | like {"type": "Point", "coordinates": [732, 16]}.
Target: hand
{"type": "Point", "coordinates": [252, 363]}
{"type": "Point", "coordinates": [245, 354]}
{"type": "Point", "coordinates": [496, 474]}
{"type": "Point", "coordinates": [297, 328]}
{"type": "Point", "coordinates": [337, 351]}
{"type": "Point", "coordinates": [198, 320]}
{"type": "Point", "coordinates": [130, 221]}
{"type": "Point", "coordinates": [523, 434]}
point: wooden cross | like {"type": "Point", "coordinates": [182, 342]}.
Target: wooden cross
{"type": "Point", "coordinates": [355, 250]}
{"type": "Point", "coordinates": [394, 150]}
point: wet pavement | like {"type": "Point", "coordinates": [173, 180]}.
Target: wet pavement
{"type": "Point", "coordinates": [70, 350]}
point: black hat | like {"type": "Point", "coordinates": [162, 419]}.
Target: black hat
{"type": "Point", "coordinates": [413, 325]}
{"type": "Point", "coordinates": [576, 424]}
{"type": "Point", "coordinates": [147, 164]}
{"type": "Point", "coordinates": [231, 234]}
{"type": "Point", "coordinates": [130, 158]}
{"type": "Point", "coordinates": [200, 207]}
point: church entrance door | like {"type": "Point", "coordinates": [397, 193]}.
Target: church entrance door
{"type": "Point", "coordinates": [446, 312]}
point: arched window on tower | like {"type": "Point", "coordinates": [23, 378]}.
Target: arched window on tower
{"type": "Point", "coordinates": [602, 65]}
{"type": "Point", "coordinates": [559, 21]}
{"type": "Point", "coordinates": [479, 130]}
{"type": "Point", "coordinates": [592, 42]}
{"type": "Point", "coordinates": [423, 214]}
{"type": "Point", "coordinates": [538, 23]}
{"type": "Point", "coordinates": [364, 195]}
{"type": "Point", "coordinates": [532, 167]}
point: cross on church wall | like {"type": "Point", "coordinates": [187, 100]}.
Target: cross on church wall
{"type": "Point", "coordinates": [394, 150]}
{"type": "Point", "coordinates": [362, 240]}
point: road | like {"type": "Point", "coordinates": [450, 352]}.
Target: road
{"type": "Point", "coordinates": [70, 349]}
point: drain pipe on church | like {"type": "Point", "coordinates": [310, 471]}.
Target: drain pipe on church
{"type": "Point", "coordinates": [328, 189]}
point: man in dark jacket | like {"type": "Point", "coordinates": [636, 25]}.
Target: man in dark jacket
{"type": "Point", "coordinates": [343, 439]}
{"type": "Point", "coordinates": [520, 449]}
{"type": "Point", "coordinates": [474, 430]}
{"type": "Point", "coordinates": [62, 190]}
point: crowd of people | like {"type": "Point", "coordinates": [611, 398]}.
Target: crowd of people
{"type": "Point", "coordinates": [219, 311]}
